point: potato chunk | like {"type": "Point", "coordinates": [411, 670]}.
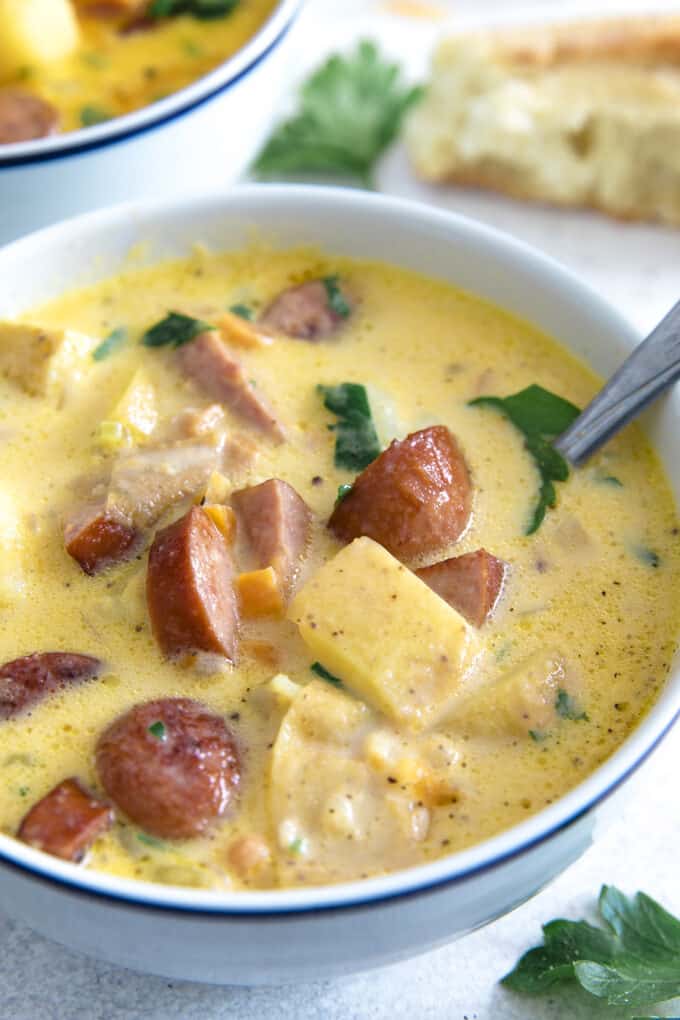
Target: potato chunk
{"type": "Point", "coordinates": [35, 32]}
{"type": "Point", "coordinates": [372, 622]}
{"type": "Point", "coordinates": [137, 410]}
{"type": "Point", "coordinates": [523, 701]}
{"type": "Point", "coordinates": [335, 815]}
{"type": "Point", "coordinates": [43, 362]}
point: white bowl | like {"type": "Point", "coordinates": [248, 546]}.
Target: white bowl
{"type": "Point", "coordinates": [287, 936]}
{"type": "Point", "coordinates": [199, 138]}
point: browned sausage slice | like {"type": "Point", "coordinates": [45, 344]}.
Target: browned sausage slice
{"type": "Point", "coordinates": [278, 524]}
{"type": "Point", "coordinates": [97, 536]}
{"type": "Point", "coordinates": [171, 765]}
{"type": "Point", "coordinates": [189, 588]}
{"type": "Point", "coordinates": [66, 821]}
{"type": "Point", "coordinates": [208, 362]}
{"type": "Point", "coordinates": [24, 117]}
{"type": "Point", "coordinates": [472, 583]}
{"type": "Point", "coordinates": [305, 312]}
{"type": "Point", "coordinates": [25, 681]}
{"type": "Point", "coordinates": [415, 498]}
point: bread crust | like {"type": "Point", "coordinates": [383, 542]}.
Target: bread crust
{"type": "Point", "coordinates": [651, 40]}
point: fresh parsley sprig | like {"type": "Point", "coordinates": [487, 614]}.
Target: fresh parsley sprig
{"type": "Point", "coordinates": [356, 440]}
{"type": "Point", "coordinates": [350, 110]}
{"type": "Point", "coordinates": [634, 960]}
{"type": "Point", "coordinates": [540, 416]}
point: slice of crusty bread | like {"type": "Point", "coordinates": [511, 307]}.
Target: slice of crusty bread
{"type": "Point", "coordinates": [583, 114]}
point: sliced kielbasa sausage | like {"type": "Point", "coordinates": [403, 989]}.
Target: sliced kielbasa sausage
{"type": "Point", "coordinates": [66, 821]}
{"type": "Point", "coordinates": [25, 681]}
{"type": "Point", "coordinates": [471, 583]}
{"type": "Point", "coordinates": [310, 311]}
{"type": "Point", "coordinates": [206, 360]}
{"type": "Point", "coordinates": [189, 588]}
{"type": "Point", "coordinates": [414, 499]}
{"type": "Point", "coordinates": [171, 765]}
{"type": "Point", "coordinates": [24, 117]}
{"type": "Point", "coordinates": [278, 524]}
{"type": "Point", "coordinates": [97, 537]}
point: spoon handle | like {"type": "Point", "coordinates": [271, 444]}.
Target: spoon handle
{"type": "Point", "coordinates": [652, 367]}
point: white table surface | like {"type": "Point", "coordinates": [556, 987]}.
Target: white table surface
{"type": "Point", "coordinates": [638, 269]}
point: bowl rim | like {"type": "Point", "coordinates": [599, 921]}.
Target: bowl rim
{"type": "Point", "coordinates": [154, 115]}
{"type": "Point", "coordinates": [464, 865]}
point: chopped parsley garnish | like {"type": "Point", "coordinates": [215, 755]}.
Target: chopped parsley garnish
{"type": "Point", "coordinates": [157, 730]}
{"type": "Point", "coordinates": [297, 846]}
{"type": "Point", "coordinates": [356, 440]}
{"type": "Point", "coordinates": [647, 556]}
{"type": "Point", "coordinates": [157, 844]}
{"type": "Point", "coordinates": [541, 416]}
{"type": "Point", "coordinates": [174, 330]}
{"type": "Point", "coordinates": [343, 490]}
{"type": "Point", "coordinates": [612, 480]}
{"type": "Point", "coordinates": [566, 707]}
{"type": "Point", "coordinates": [350, 110]}
{"type": "Point", "coordinates": [320, 670]}
{"type": "Point", "coordinates": [113, 341]}
{"type": "Point", "coordinates": [91, 115]}
{"type": "Point", "coordinates": [204, 9]}
{"type": "Point", "coordinates": [243, 312]}
{"type": "Point", "coordinates": [337, 302]}
{"type": "Point", "coordinates": [537, 736]}
{"type": "Point", "coordinates": [633, 960]}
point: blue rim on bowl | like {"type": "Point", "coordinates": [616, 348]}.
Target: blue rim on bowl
{"type": "Point", "coordinates": [424, 222]}
{"type": "Point", "coordinates": [163, 111]}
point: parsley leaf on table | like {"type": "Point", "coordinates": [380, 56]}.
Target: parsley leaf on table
{"type": "Point", "coordinates": [540, 416]}
{"type": "Point", "coordinates": [349, 111]}
{"type": "Point", "coordinates": [633, 961]}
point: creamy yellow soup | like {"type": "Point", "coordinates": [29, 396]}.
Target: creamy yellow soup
{"type": "Point", "coordinates": [115, 70]}
{"type": "Point", "coordinates": [332, 787]}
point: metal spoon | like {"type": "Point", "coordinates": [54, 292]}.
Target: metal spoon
{"type": "Point", "coordinates": [653, 366]}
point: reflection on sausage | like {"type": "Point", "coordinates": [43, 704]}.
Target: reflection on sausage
{"type": "Point", "coordinates": [171, 765]}
{"type": "Point", "coordinates": [26, 681]}
{"type": "Point", "coordinates": [189, 588]}
{"type": "Point", "coordinates": [66, 821]}
{"type": "Point", "coordinates": [414, 499]}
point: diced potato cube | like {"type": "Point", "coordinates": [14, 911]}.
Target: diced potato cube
{"type": "Point", "coordinates": [137, 410]}
{"type": "Point", "coordinates": [43, 362]}
{"type": "Point", "coordinates": [35, 32]}
{"type": "Point", "coordinates": [224, 518]}
{"type": "Point", "coordinates": [239, 332]}
{"type": "Point", "coordinates": [523, 701]}
{"type": "Point", "coordinates": [217, 488]}
{"type": "Point", "coordinates": [260, 593]}
{"type": "Point", "coordinates": [373, 623]}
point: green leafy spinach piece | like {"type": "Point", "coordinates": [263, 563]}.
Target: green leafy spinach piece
{"type": "Point", "coordinates": [566, 707]}
{"type": "Point", "coordinates": [633, 961]}
{"type": "Point", "coordinates": [174, 330]}
{"type": "Point", "coordinates": [337, 302]}
{"type": "Point", "coordinates": [350, 110]}
{"type": "Point", "coordinates": [540, 416]}
{"type": "Point", "coordinates": [111, 343]}
{"type": "Point", "coordinates": [203, 9]}
{"type": "Point", "coordinates": [321, 671]}
{"type": "Point", "coordinates": [243, 312]}
{"type": "Point", "coordinates": [356, 440]}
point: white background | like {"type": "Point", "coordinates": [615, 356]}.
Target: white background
{"type": "Point", "coordinates": [638, 269]}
